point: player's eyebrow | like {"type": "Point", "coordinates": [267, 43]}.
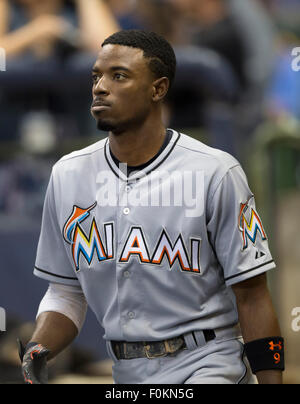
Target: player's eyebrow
{"type": "Point", "coordinates": [125, 69]}
{"type": "Point", "coordinates": [95, 69]}
{"type": "Point", "coordinates": [113, 68]}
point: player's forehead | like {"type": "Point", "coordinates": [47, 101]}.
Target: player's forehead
{"type": "Point", "coordinates": [111, 56]}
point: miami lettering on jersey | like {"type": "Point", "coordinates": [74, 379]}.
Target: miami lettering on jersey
{"type": "Point", "coordinates": [134, 245]}
{"type": "Point", "coordinates": [250, 225]}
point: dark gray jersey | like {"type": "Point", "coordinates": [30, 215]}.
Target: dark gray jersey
{"type": "Point", "coordinates": [155, 253]}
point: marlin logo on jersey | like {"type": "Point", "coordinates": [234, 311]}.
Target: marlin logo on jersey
{"type": "Point", "coordinates": [134, 245]}
{"type": "Point", "coordinates": [250, 225]}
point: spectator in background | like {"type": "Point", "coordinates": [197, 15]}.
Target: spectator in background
{"type": "Point", "coordinates": [213, 27]}
{"type": "Point", "coordinates": [50, 46]}
{"type": "Point", "coordinates": [243, 34]}
{"type": "Point", "coordinates": [240, 31]}
{"type": "Point", "coordinates": [36, 26]}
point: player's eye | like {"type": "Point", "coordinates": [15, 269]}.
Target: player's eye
{"type": "Point", "coordinates": [95, 78]}
{"type": "Point", "coordinates": [119, 76]}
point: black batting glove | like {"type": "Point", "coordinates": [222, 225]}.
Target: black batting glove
{"type": "Point", "coordinates": [34, 363]}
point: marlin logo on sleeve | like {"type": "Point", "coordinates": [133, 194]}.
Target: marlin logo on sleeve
{"type": "Point", "coordinates": [250, 225]}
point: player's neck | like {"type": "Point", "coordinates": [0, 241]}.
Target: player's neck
{"type": "Point", "coordinates": [139, 146]}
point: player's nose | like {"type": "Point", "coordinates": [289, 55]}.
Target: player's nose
{"type": "Point", "coordinates": [101, 87]}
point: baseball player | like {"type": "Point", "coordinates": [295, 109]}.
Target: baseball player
{"type": "Point", "coordinates": [159, 235]}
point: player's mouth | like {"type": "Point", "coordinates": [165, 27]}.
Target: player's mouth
{"type": "Point", "coordinates": [99, 106]}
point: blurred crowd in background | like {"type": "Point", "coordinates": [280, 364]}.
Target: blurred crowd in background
{"type": "Point", "coordinates": [234, 74]}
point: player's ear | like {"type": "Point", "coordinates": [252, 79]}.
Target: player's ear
{"type": "Point", "coordinates": [160, 89]}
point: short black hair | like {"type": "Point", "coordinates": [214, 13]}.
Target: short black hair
{"type": "Point", "coordinates": [162, 59]}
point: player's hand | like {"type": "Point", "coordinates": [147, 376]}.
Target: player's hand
{"type": "Point", "coordinates": [34, 363]}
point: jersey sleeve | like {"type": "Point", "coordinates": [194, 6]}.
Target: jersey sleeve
{"type": "Point", "coordinates": [236, 230]}
{"type": "Point", "coordinates": [52, 262]}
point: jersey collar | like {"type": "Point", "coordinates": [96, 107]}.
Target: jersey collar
{"type": "Point", "coordinates": [120, 171]}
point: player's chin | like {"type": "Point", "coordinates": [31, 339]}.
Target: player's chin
{"type": "Point", "coordinates": [105, 125]}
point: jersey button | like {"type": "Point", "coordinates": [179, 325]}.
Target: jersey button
{"type": "Point", "coordinates": [131, 315]}
{"type": "Point", "coordinates": [127, 188]}
{"type": "Point", "coordinates": [126, 274]}
{"type": "Point", "coordinates": [126, 211]}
